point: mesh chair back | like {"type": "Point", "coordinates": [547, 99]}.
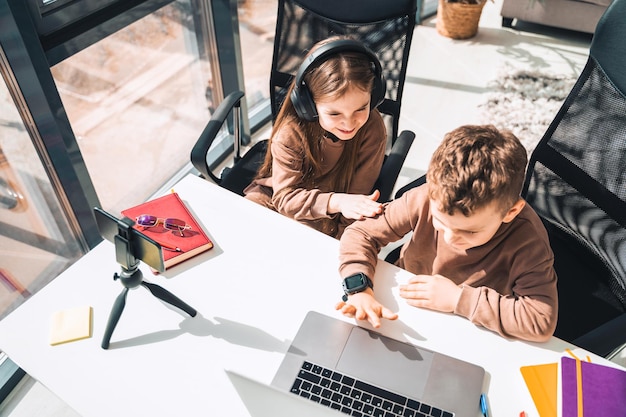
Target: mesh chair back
{"type": "Point", "coordinates": [576, 181]}
{"type": "Point", "coordinates": [385, 27]}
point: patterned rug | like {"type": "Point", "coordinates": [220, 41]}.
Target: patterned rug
{"type": "Point", "coordinates": [525, 101]}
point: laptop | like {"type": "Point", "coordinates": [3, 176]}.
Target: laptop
{"type": "Point", "coordinates": [337, 365]}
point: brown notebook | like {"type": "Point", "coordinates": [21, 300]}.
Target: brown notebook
{"type": "Point", "coordinates": [175, 228]}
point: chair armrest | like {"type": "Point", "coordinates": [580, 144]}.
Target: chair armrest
{"type": "Point", "coordinates": [605, 340]}
{"type": "Point", "coordinates": [393, 164]}
{"type": "Point", "coordinates": [208, 135]}
{"type": "Point", "coordinates": [415, 183]}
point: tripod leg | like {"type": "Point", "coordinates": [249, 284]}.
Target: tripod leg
{"type": "Point", "coordinates": [168, 297]}
{"type": "Point", "coordinates": [114, 317]}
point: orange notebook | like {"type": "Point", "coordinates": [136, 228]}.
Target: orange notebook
{"type": "Point", "coordinates": [178, 243]}
{"type": "Point", "coordinates": [542, 381]}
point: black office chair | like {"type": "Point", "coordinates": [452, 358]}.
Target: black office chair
{"type": "Point", "coordinates": [576, 181]}
{"type": "Point", "coordinates": [385, 27]}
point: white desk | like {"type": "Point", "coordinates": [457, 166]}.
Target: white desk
{"type": "Point", "coordinates": [251, 292]}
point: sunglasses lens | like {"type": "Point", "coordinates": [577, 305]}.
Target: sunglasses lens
{"type": "Point", "coordinates": [174, 224]}
{"type": "Point", "coordinates": [146, 220]}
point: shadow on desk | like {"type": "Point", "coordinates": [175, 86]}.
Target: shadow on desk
{"type": "Point", "coordinates": [221, 328]}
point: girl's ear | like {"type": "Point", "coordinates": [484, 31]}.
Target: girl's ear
{"type": "Point", "coordinates": [514, 211]}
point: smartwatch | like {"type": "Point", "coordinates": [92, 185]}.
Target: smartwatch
{"type": "Point", "coordinates": [354, 284]}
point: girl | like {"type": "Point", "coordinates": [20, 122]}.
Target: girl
{"type": "Point", "coordinates": [328, 141]}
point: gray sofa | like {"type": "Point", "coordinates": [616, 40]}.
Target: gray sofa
{"type": "Point", "coordinates": [579, 15]}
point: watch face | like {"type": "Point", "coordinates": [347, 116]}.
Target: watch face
{"type": "Point", "coordinates": [355, 282]}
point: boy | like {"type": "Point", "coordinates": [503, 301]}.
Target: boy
{"type": "Point", "coordinates": [477, 248]}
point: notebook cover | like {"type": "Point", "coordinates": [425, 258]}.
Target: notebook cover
{"type": "Point", "coordinates": [193, 242]}
{"type": "Point", "coordinates": [70, 325]}
{"type": "Point", "coordinates": [603, 389]}
{"type": "Point", "coordinates": [542, 381]}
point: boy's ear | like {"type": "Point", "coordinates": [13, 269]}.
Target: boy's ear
{"type": "Point", "coordinates": [514, 210]}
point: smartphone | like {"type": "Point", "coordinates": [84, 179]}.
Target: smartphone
{"type": "Point", "coordinates": [130, 243]}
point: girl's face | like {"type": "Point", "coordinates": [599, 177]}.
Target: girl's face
{"type": "Point", "coordinates": [345, 115]}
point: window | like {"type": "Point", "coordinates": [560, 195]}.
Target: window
{"type": "Point", "coordinates": [137, 101]}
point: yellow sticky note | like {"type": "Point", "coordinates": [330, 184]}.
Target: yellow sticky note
{"type": "Point", "coordinates": [70, 324]}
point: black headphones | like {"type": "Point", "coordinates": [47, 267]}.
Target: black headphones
{"type": "Point", "coordinates": [301, 95]}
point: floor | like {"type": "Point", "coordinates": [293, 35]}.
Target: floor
{"type": "Point", "coordinates": [447, 81]}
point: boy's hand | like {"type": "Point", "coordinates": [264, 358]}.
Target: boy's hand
{"type": "Point", "coordinates": [434, 292]}
{"type": "Point", "coordinates": [355, 206]}
{"type": "Point", "coordinates": [363, 306]}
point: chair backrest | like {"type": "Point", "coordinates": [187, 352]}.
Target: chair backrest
{"type": "Point", "coordinates": [385, 27]}
{"type": "Point", "coordinates": [576, 181]}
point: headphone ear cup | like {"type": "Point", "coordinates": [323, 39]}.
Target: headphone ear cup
{"type": "Point", "coordinates": [303, 103]}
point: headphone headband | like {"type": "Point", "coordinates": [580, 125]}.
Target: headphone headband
{"type": "Point", "coordinates": [301, 96]}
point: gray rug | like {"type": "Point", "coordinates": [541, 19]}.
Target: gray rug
{"type": "Point", "coordinates": [525, 101]}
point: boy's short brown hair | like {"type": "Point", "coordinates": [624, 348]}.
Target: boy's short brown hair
{"type": "Point", "coordinates": [474, 166]}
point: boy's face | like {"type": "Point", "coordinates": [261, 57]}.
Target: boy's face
{"type": "Point", "coordinates": [466, 232]}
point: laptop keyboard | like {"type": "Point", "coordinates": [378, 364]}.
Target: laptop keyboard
{"type": "Point", "coordinates": [356, 398]}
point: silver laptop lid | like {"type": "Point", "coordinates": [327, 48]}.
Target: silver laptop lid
{"type": "Point", "coordinates": [263, 400]}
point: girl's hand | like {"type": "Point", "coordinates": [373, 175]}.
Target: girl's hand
{"type": "Point", "coordinates": [355, 206]}
{"type": "Point", "coordinates": [434, 292]}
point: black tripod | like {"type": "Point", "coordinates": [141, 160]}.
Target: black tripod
{"type": "Point", "coordinates": [132, 278]}
{"type": "Point", "coordinates": [131, 247]}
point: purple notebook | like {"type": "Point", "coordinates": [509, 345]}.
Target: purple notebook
{"type": "Point", "coordinates": [603, 388]}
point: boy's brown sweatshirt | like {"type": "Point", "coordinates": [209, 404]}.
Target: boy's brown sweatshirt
{"type": "Point", "coordinates": [509, 283]}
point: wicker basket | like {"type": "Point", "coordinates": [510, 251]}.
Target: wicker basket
{"type": "Point", "coordinates": [458, 20]}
